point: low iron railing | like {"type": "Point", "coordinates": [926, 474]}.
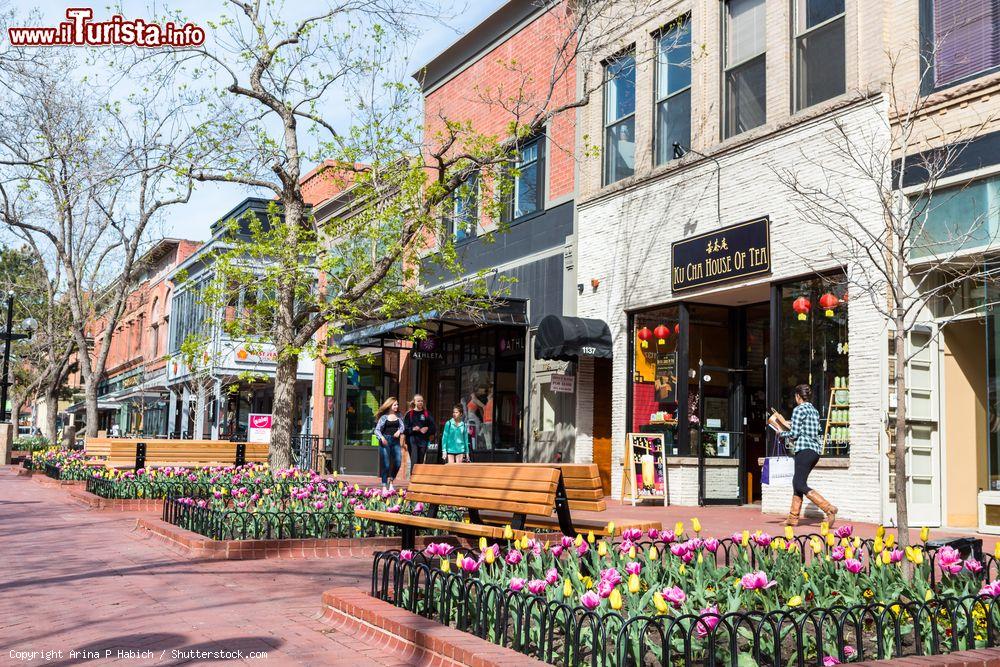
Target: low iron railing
{"type": "Point", "coordinates": [52, 470]}
{"type": "Point", "coordinates": [125, 489]}
{"type": "Point", "coordinates": [560, 634]}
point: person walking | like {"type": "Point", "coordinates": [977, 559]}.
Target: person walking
{"type": "Point", "coordinates": [804, 434]}
{"type": "Point", "coordinates": [455, 437]}
{"type": "Point", "coordinates": [388, 430]}
{"type": "Point", "coordinates": [418, 428]}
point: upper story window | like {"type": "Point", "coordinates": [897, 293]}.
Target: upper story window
{"type": "Point", "coordinates": [745, 66]}
{"type": "Point", "coordinates": [819, 51]}
{"type": "Point", "coordinates": [464, 214]}
{"type": "Point", "coordinates": [528, 195]}
{"type": "Point", "coordinates": [673, 89]}
{"type": "Point", "coordinates": [956, 220]}
{"type": "Point", "coordinates": [964, 39]}
{"type": "Point", "coordinates": [619, 117]}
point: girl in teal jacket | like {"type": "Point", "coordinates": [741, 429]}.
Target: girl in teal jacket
{"type": "Point", "coordinates": [455, 437]}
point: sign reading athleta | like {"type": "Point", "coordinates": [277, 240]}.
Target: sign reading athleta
{"type": "Point", "coordinates": [725, 254]}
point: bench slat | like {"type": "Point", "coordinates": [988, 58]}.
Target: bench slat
{"type": "Point", "coordinates": [514, 495]}
{"type": "Point", "coordinates": [480, 503]}
{"type": "Point", "coordinates": [456, 527]}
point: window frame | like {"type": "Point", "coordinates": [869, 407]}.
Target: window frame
{"type": "Point", "coordinates": [657, 100]}
{"type": "Point", "coordinates": [540, 178]}
{"type": "Point", "coordinates": [630, 51]}
{"type": "Point", "coordinates": [797, 38]}
{"type": "Point", "coordinates": [727, 132]}
{"type": "Point", "coordinates": [928, 67]}
{"type": "Point", "coordinates": [451, 216]}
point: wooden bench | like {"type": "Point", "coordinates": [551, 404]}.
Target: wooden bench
{"type": "Point", "coordinates": [97, 448]}
{"type": "Point", "coordinates": [518, 492]}
{"type": "Point", "coordinates": [151, 453]}
{"type": "Point", "coordinates": [584, 492]}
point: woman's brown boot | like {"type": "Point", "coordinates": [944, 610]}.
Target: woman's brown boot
{"type": "Point", "coordinates": [824, 505]}
{"type": "Point", "coordinates": [793, 513]}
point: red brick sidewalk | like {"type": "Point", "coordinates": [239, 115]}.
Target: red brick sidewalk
{"type": "Point", "coordinates": [75, 579]}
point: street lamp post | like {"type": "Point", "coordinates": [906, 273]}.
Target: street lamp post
{"type": "Point", "coordinates": [8, 335]}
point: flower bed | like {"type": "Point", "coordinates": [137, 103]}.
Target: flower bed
{"type": "Point", "coordinates": [673, 598]}
{"type": "Point", "coordinates": [61, 464]}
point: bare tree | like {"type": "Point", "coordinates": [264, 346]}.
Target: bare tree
{"type": "Point", "coordinates": [909, 268]}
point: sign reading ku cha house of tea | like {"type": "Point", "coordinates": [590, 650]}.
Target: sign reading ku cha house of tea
{"type": "Point", "coordinates": [730, 253]}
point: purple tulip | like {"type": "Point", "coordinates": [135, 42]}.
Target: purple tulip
{"type": "Point", "coordinates": [516, 584]}
{"type": "Point", "coordinates": [612, 575]}
{"type": "Point", "coordinates": [557, 550]}
{"type": "Point", "coordinates": [830, 661]}
{"type": "Point", "coordinates": [406, 555]}
{"type": "Point", "coordinates": [711, 544]}
{"type": "Point", "coordinates": [674, 595]}
{"type": "Point", "coordinates": [708, 620]}
{"type": "Point", "coordinates": [583, 548]}
{"type": "Point", "coordinates": [991, 589]}
{"type": "Point", "coordinates": [590, 600]}
{"type": "Point", "coordinates": [537, 586]}
{"type": "Point", "coordinates": [852, 565]}
{"type": "Point", "coordinates": [838, 553]}
{"type": "Point", "coordinates": [567, 542]}
{"type": "Point", "coordinates": [470, 564]}
{"type": "Point", "coordinates": [668, 536]}
{"type": "Point", "coordinates": [949, 560]}
{"type": "Point", "coordinates": [653, 533]}
{"type": "Point", "coordinates": [632, 534]}
{"type": "Point", "coordinates": [634, 567]}
{"type": "Point", "coordinates": [755, 581]}
{"type": "Point", "coordinates": [844, 531]}
{"type": "Point", "coordinates": [973, 566]}
{"type": "Point", "coordinates": [552, 576]}
{"type": "Point", "coordinates": [762, 540]}
{"type": "Point", "coordinates": [604, 588]}
{"type": "Point", "coordinates": [513, 557]}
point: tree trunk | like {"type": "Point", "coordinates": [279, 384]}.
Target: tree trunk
{"type": "Point", "coordinates": [51, 408]}
{"type": "Point", "coordinates": [15, 411]}
{"type": "Point", "coordinates": [282, 412]}
{"type": "Point", "coordinates": [899, 426]}
{"type": "Point", "coordinates": [90, 404]}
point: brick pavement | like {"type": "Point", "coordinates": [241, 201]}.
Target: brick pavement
{"type": "Point", "coordinates": [85, 580]}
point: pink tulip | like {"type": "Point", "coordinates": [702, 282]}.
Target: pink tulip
{"type": "Point", "coordinates": [612, 575]}
{"type": "Point", "coordinates": [895, 555]}
{"type": "Point", "coordinates": [557, 550]}
{"type": "Point", "coordinates": [737, 538]}
{"type": "Point", "coordinates": [679, 549]}
{"type": "Point", "coordinates": [852, 565]}
{"type": "Point", "coordinates": [991, 589]}
{"type": "Point", "coordinates": [406, 555]}
{"type": "Point", "coordinates": [674, 595]}
{"type": "Point", "coordinates": [516, 584]}
{"type": "Point", "coordinates": [754, 581]}
{"type": "Point", "coordinates": [829, 661]}
{"type": "Point", "coordinates": [470, 564]}
{"type": "Point", "coordinates": [654, 534]}
{"type": "Point", "coordinates": [949, 560]}
{"type": "Point", "coordinates": [440, 549]}
{"type": "Point", "coordinates": [513, 557]}
{"type": "Point", "coordinates": [537, 586]}
{"type": "Point", "coordinates": [567, 542]}
{"type": "Point", "coordinates": [973, 566]}
{"type": "Point", "coordinates": [711, 544]}
{"type": "Point", "coordinates": [625, 546]}
{"type": "Point", "coordinates": [668, 536]}
{"type": "Point", "coordinates": [632, 534]}
{"type": "Point", "coordinates": [634, 567]}
{"type": "Point", "coordinates": [590, 600]}
{"type": "Point", "coordinates": [552, 576]}
{"type": "Point", "coordinates": [708, 620]}
{"type": "Point", "coordinates": [604, 588]}
{"type": "Point", "coordinates": [762, 540]}
{"type": "Point", "coordinates": [583, 548]}
{"type": "Point", "coordinates": [837, 553]}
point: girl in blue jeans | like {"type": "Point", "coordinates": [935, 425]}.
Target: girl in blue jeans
{"type": "Point", "coordinates": [388, 430]}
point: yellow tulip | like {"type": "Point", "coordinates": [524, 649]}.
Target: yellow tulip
{"type": "Point", "coordinates": [653, 554]}
{"type": "Point", "coordinates": [579, 540]}
{"type": "Point", "coordinates": [567, 588]}
{"type": "Point", "coordinates": [830, 540]}
{"type": "Point", "coordinates": [615, 599]}
{"type": "Point", "coordinates": [878, 545]}
{"type": "Point", "coordinates": [458, 559]}
{"type": "Point", "coordinates": [886, 557]}
{"type": "Point", "coordinates": [778, 543]}
{"type": "Point", "coordinates": [792, 546]}
{"type": "Point", "coordinates": [996, 550]}
{"type": "Point", "coordinates": [745, 540]}
{"type": "Point", "coordinates": [696, 525]}
{"type": "Point", "coordinates": [611, 528]}
{"type": "Point", "coordinates": [844, 542]}
{"type": "Point", "coordinates": [445, 565]}
{"type": "Point", "coordinates": [857, 542]}
{"type": "Point", "coordinates": [517, 544]}
{"type": "Point", "coordinates": [681, 570]}
{"type": "Point", "coordinates": [508, 532]}
{"type": "Point", "coordinates": [817, 546]}
{"type": "Point", "coordinates": [701, 558]}
{"type": "Point", "coordinates": [590, 537]}
{"type": "Point", "coordinates": [660, 603]}
{"type": "Point", "coordinates": [795, 601]}
{"type": "Point", "coordinates": [929, 594]}
{"type": "Point", "coordinates": [633, 583]}
{"type": "Point", "coordinates": [602, 549]}
{"type": "Point", "coordinates": [789, 533]}
{"type": "Point", "coordinates": [890, 540]}
{"type": "Point", "coordinates": [925, 532]}
{"type": "Point", "coordinates": [880, 531]}
{"type": "Point", "coordinates": [489, 556]}
{"type": "Point", "coordinates": [631, 553]}
{"type": "Point", "coordinates": [679, 528]}
{"type": "Point", "coordinates": [482, 543]}
{"type": "Point", "coordinates": [805, 575]}
{"type": "Point", "coordinates": [824, 528]}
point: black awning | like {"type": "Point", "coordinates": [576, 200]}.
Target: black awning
{"type": "Point", "coordinates": [570, 338]}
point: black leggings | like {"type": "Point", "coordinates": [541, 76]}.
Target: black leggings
{"type": "Point", "coordinates": [805, 461]}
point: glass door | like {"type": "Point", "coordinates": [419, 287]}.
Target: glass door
{"type": "Point", "coordinates": [720, 435]}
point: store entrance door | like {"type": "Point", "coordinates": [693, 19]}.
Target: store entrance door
{"type": "Point", "coordinates": [721, 433]}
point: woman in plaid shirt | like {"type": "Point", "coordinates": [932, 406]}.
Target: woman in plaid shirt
{"type": "Point", "coordinates": [806, 443]}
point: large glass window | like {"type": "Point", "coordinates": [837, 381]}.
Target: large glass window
{"type": "Point", "coordinates": [819, 51]}
{"type": "Point", "coordinates": [673, 89]}
{"type": "Point", "coordinates": [964, 39]}
{"type": "Point", "coordinates": [814, 351]}
{"type": "Point", "coordinates": [619, 118]}
{"type": "Point", "coordinates": [464, 215]}
{"type": "Point", "coordinates": [745, 66]}
{"type": "Point", "coordinates": [953, 220]}
{"type": "Point", "coordinates": [529, 185]}
{"type": "Point", "coordinates": [654, 373]}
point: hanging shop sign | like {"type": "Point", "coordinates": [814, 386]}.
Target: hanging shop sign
{"type": "Point", "coordinates": [730, 253]}
{"type": "Point", "coordinates": [562, 383]}
{"type": "Point", "coordinates": [330, 381]}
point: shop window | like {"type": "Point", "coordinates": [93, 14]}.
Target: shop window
{"type": "Point", "coordinates": [673, 89]}
{"type": "Point", "coordinates": [528, 188]}
{"type": "Point", "coordinates": [463, 217]}
{"type": "Point", "coordinates": [655, 335]}
{"type": "Point", "coordinates": [962, 39]}
{"type": "Point", "coordinates": [956, 220]}
{"type": "Point", "coordinates": [815, 351]}
{"type": "Point", "coordinates": [619, 118]}
{"type": "Point", "coordinates": [745, 66]}
{"type": "Point", "coordinates": [819, 51]}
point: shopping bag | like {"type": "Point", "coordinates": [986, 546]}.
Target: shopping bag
{"type": "Point", "coordinates": [777, 470]}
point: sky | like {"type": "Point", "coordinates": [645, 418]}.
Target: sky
{"type": "Point", "coordinates": [211, 201]}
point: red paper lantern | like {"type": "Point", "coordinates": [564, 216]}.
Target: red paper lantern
{"type": "Point", "coordinates": [828, 302]}
{"type": "Point", "coordinates": [644, 334]}
{"type": "Point", "coordinates": [677, 328]}
{"type": "Point", "coordinates": [801, 306]}
{"type": "Point", "coordinates": [662, 333]}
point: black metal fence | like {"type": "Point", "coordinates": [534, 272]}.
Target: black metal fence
{"type": "Point", "coordinates": [52, 470]}
{"type": "Point", "coordinates": [306, 450]}
{"type": "Point", "coordinates": [563, 635]}
{"type": "Point", "coordinates": [126, 489]}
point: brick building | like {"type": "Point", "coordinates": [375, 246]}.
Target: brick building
{"type": "Point", "coordinates": [720, 290]}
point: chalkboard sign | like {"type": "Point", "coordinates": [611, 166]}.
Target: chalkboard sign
{"type": "Point", "coordinates": [645, 470]}
{"type": "Point", "coordinates": [730, 253]}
